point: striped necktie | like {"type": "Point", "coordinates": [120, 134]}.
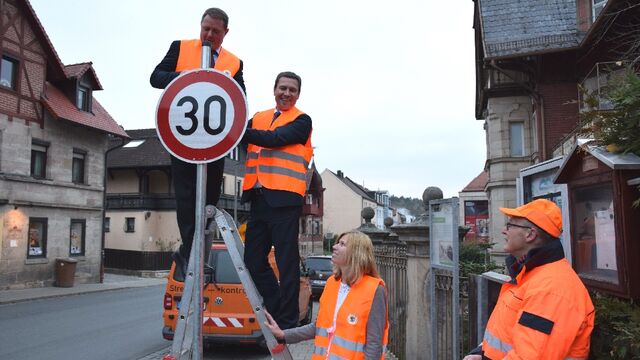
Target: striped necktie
{"type": "Point", "coordinates": [214, 54]}
{"type": "Point", "coordinates": [275, 116]}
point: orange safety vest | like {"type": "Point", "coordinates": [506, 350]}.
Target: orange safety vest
{"type": "Point", "coordinates": [281, 168]}
{"type": "Point", "coordinates": [190, 57]}
{"type": "Point", "coordinates": [546, 313]}
{"type": "Point", "coordinates": [350, 335]}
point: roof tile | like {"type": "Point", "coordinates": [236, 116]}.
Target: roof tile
{"type": "Point", "coordinates": [61, 107]}
{"type": "Point", "coordinates": [513, 27]}
{"type": "Point", "coordinates": [478, 183]}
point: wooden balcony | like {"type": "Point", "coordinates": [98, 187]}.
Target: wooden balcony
{"type": "Point", "coordinates": [137, 201]}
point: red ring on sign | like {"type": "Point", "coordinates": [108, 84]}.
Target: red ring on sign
{"type": "Point", "coordinates": [219, 150]}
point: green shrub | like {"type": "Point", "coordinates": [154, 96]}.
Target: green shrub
{"type": "Point", "coordinates": [475, 259]}
{"type": "Point", "coordinates": [619, 128]}
{"type": "Point", "coordinates": [616, 334]}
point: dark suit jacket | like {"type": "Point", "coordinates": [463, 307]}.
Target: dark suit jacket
{"type": "Point", "coordinates": [165, 72]}
{"type": "Point", "coordinates": [295, 132]}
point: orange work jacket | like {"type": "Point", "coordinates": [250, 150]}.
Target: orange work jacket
{"type": "Point", "coordinates": [281, 168]}
{"type": "Point", "coordinates": [350, 335]}
{"type": "Point", "coordinates": [190, 57]}
{"type": "Point", "coordinates": [544, 313]}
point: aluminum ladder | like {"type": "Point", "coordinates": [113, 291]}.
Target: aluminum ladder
{"type": "Point", "coordinates": [186, 345]}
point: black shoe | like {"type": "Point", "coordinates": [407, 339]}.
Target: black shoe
{"type": "Point", "coordinates": [181, 262]}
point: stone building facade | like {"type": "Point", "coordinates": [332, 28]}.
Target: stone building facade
{"type": "Point", "coordinates": [53, 140]}
{"type": "Point", "coordinates": [527, 76]}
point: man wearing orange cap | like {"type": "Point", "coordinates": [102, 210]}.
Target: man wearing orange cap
{"type": "Point", "coordinates": [545, 311]}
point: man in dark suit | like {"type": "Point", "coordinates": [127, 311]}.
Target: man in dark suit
{"type": "Point", "coordinates": [185, 55]}
{"type": "Point", "coordinates": [278, 154]}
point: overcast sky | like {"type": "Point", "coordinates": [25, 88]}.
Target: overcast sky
{"type": "Point", "coordinates": [389, 84]}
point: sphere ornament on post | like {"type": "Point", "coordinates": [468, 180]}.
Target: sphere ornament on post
{"type": "Point", "coordinates": [430, 193]}
{"type": "Point", "coordinates": [388, 221]}
{"type": "Point", "coordinates": [367, 214]}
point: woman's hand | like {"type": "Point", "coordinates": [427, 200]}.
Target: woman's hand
{"type": "Point", "coordinates": [273, 326]}
{"type": "Point", "coordinates": [473, 357]}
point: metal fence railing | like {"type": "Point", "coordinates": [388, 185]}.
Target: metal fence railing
{"type": "Point", "coordinates": [391, 259]}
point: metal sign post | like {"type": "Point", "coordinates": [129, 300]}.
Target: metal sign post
{"type": "Point", "coordinates": [444, 250]}
{"type": "Point", "coordinates": [200, 117]}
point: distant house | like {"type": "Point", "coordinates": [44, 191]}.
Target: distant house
{"type": "Point", "coordinates": [382, 209]}
{"type": "Point", "coordinates": [474, 208]}
{"type": "Point", "coordinates": [53, 139]}
{"type": "Point", "coordinates": [142, 228]}
{"type": "Point", "coordinates": [311, 223]}
{"type": "Point", "coordinates": [403, 216]}
{"type": "Point", "coordinates": [344, 200]}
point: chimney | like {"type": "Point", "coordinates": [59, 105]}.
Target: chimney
{"type": "Point", "coordinates": [583, 15]}
{"type": "Point", "coordinates": [340, 174]}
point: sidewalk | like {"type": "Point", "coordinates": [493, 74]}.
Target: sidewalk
{"type": "Point", "coordinates": [111, 282]}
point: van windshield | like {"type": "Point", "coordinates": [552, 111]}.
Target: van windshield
{"type": "Point", "coordinates": [225, 272]}
{"type": "Point", "coordinates": [319, 264]}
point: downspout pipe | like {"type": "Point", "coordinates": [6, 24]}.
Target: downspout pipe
{"type": "Point", "coordinates": [104, 205]}
{"type": "Point", "coordinates": [538, 102]}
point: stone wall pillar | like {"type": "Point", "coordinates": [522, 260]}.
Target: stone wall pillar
{"type": "Point", "coordinates": [418, 327]}
{"type": "Point", "coordinates": [416, 236]}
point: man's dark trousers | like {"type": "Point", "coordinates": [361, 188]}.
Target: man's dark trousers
{"type": "Point", "coordinates": [184, 183]}
{"type": "Point", "coordinates": [277, 226]}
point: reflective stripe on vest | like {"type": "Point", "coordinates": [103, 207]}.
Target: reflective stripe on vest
{"type": "Point", "coordinates": [190, 57]}
{"type": "Point", "coordinates": [496, 343]}
{"type": "Point", "coordinates": [340, 341]}
{"type": "Point", "coordinates": [269, 153]}
{"type": "Point", "coordinates": [285, 156]}
{"type": "Point", "coordinates": [283, 168]}
{"type": "Point", "coordinates": [349, 345]}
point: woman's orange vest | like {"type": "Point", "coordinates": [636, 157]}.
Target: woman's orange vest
{"type": "Point", "coordinates": [190, 57]}
{"type": "Point", "coordinates": [546, 313]}
{"type": "Point", "coordinates": [281, 168]}
{"type": "Point", "coordinates": [350, 335]}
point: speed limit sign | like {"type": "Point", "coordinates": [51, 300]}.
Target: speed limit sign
{"type": "Point", "coordinates": [201, 116]}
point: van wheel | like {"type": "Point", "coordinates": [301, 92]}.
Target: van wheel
{"type": "Point", "coordinates": [309, 316]}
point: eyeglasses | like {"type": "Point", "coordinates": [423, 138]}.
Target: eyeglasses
{"type": "Point", "coordinates": [508, 225]}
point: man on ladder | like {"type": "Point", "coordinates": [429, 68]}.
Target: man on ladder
{"type": "Point", "coordinates": [278, 155]}
{"type": "Point", "coordinates": [185, 55]}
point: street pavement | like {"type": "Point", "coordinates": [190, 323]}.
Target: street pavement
{"type": "Point", "coordinates": [301, 350]}
{"type": "Point", "coordinates": [114, 282]}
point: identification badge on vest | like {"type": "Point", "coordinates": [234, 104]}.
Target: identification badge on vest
{"type": "Point", "coordinates": [352, 319]}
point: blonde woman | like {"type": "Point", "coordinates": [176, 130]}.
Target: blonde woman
{"type": "Point", "coordinates": [352, 321]}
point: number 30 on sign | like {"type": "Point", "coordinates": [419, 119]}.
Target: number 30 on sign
{"type": "Point", "coordinates": [201, 116]}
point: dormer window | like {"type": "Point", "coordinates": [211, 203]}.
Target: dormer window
{"type": "Point", "coordinates": [82, 99]}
